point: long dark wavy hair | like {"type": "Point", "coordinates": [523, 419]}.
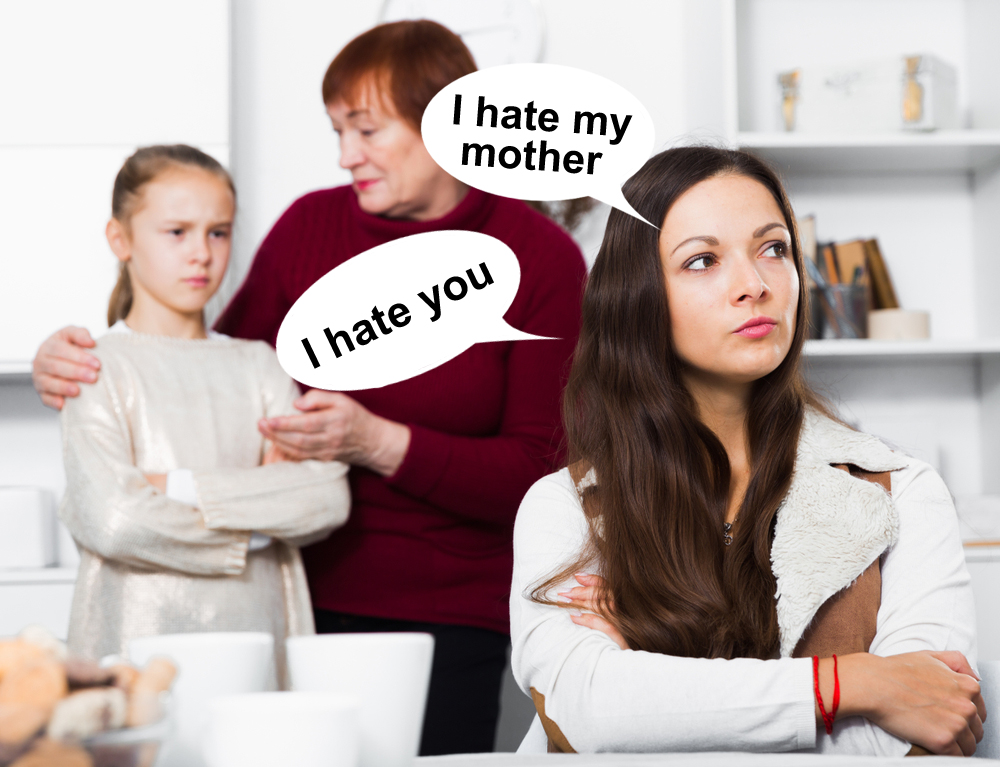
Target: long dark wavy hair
{"type": "Point", "coordinates": [657, 510]}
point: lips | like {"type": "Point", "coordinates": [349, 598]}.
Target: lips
{"type": "Point", "coordinates": [364, 183]}
{"type": "Point", "coordinates": [197, 282]}
{"type": "Point", "coordinates": [757, 327]}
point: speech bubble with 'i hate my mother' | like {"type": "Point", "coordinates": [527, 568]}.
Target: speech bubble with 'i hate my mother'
{"type": "Point", "coordinates": [539, 132]}
{"type": "Point", "coordinates": [400, 309]}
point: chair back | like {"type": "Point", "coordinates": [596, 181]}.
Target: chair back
{"type": "Point", "coordinates": [989, 746]}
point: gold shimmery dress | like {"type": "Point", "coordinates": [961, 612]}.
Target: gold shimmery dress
{"type": "Point", "coordinates": [152, 565]}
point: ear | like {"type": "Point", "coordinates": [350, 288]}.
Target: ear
{"type": "Point", "coordinates": [118, 240]}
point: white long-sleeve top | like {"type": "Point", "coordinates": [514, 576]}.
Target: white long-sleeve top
{"type": "Point", "coordinates": [606, 699]}
{"type": "Point", "coordinates": [151, 564]}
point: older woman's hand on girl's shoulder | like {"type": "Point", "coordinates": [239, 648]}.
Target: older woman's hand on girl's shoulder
{"type": "Point", "coordinates": [585, 598]}
{"type": "Point", "coordinates": [60, 362]}
{"type": "Point", "coordinates": [335, 427]}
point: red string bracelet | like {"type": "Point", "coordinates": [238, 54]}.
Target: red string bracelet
{"type": "Point", "coordinates": [827, 717]}
{"type": "Point", "coordinates": [836, 692]}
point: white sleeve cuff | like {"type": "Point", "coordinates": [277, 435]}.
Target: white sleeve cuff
{"type": "Point", "coordinates": [180, 486]}
{"type": "Point", "coordinates": [259, 541]}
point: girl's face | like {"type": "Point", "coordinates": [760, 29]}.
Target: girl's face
{"type": "Point", "coordinates": [178, 239]}
{"type": "Point", "coordinates": [394, 175]}
{"type": "Point", "coordinates": [732, 287]}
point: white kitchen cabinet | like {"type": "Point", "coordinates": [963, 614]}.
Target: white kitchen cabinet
{"type": "Point", "coordinates": [36, 597]}
{"type": "Point", "coordinates": [85, 84]}
{"type": "Point", "coordinates": [114, 72]}
{"type": "Point", "coordinates": [984, 567]}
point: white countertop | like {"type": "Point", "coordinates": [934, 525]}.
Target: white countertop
{"type": "Point", "coordinates": [708, 759]}
{"type": "Point", "coordinates": [38, 575]}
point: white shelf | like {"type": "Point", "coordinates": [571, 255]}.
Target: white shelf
{"type": "Point", "coordinates": [982, 553]}
{"type": "Point", "coordinates": [877, 350]}
{"type": "Point", "coordinates": [957, 150]}
{"type": "Point", "coordinates": [38, 575]}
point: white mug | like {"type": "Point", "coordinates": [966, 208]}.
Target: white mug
{"type": "Point", "coordinates": [389, 673]}
{"type": "Point", "coordinates": [268, 729]}
{"type": "Point", "coordinates": [208, 665]}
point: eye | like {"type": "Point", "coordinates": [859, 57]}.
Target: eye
{"type": "Point", "coordinates": [176, 232]}
{"type": "Point", "coordinates": [700, 263]}
{"type": "Point", "coordinates": [776, 249]}
{"type": "Point", "coordinates": [220, 234]}
{"type": "Point", "coordinates": [367, 132]}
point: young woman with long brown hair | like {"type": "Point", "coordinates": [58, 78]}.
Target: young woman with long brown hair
{"type": "Point", "coordinates": [731, 527]}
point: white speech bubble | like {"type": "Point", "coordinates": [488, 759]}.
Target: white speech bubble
{"type": "Point", "coordinates": [468, 281]}
{"type": "Point", "coordinates": [594, 133]}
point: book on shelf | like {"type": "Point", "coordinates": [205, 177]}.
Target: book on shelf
{"type": "Point", "coordinates": [852, 280]}
{"type": "Point", "coordinates": [852, 262]}
{"type": "Point", "coordinates": [807, 239]}
{"type": "Point", "coordinates": [858, 262]}
{"type": "Point", "coordinates": [828, 263]}
{"type": "Point", "coordinates": [883, 292]}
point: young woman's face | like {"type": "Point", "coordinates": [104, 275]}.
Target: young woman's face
{"type": "Point", "coordinates": [179, 238]}
{"type": "Point", "coordinates": [731, 280]}
{"type": "Point", "coordinates": [394, 174]}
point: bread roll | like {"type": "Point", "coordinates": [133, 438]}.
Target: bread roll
{"type": "Point", "coordinates": [45, 639]}
{"type": "Point", "coordinates": [19, 723]}
{"type": "Point", "coordinates": [82, 673]}
{"type": "Point", "coordinates": [125, 676]}
{"type": "Point", "coordinates": [144, 701]}
{"type": "Point", "coordinates": [41, 684]}
{"type": "Point", "coordinates": [15, 653]}
{"type": "Point", "coordinates": [48, 753]}
{"type": "Point", "coordinates": [87, 713]}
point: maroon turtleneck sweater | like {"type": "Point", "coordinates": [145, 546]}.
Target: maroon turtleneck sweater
{"type": "Point", "coordinates": [433, 541]}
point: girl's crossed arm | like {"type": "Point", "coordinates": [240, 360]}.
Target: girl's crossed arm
{"type": "Point", "coordinates": [112, 510]}
{"type": "Point", "coordinates": [298, 502]}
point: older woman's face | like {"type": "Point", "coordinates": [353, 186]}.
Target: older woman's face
{"type": "Point", "coordinates": [731, 281]}
{"type": "Point", "coordinates": [393, 173]}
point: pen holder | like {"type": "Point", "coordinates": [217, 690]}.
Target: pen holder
{"type": "Point", "coordinates": [840, 311]}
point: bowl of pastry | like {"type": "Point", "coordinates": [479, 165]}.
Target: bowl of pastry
{"type": "Point", "coordinates": [74, 712]}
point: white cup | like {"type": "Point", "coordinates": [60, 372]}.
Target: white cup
{"type": "Point", "coordinates": [208, 665]}
{"type": "Point", "coordinates": [389, 673]}
{"type": "Point", "coordinates": [265, 729]}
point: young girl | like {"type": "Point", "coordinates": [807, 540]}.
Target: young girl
{"type": "Point", "coordinates": [738, 538]}
{"type": "Point", "coordinates": [186, 519]}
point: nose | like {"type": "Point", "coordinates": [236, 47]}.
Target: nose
{"type": "Point", "coordinates": [351, 155]}
{"type": "Point", "coordinates": [748, 284]}
{"type": "Point", "coordinates": [201, 250]}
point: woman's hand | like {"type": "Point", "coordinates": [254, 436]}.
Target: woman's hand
{"type": "Point", "coordinates": [931, 699]}
{"type": "Point", "coordinates": [60, 362]}
{"type": "Point", "coordinates": [335, 427]}
{"type": "Point", "coordinates": [274, 455]}
{"type": "Point", "coordinates": [584, 597]}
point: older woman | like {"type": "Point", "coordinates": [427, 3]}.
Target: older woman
{"type": "Point", "coordinates": [441, 461]}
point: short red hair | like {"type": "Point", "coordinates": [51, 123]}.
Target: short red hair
{"type": "Point", "coordinates": [405, 63]}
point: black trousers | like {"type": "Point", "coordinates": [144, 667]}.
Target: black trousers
{"type": "Point", "coordinates": [463, 702]}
